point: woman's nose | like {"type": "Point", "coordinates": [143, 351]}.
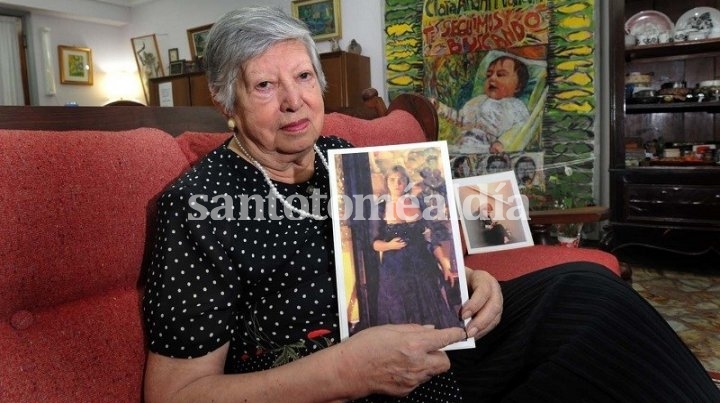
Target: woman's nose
{"type": "Point", "coordinates": [292, 98]}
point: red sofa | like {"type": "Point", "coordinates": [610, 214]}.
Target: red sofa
{"type": "Point", "coordinates": [76, 208]}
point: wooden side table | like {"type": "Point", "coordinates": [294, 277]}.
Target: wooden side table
{"type": "Point", "coordinates": [541, 221]}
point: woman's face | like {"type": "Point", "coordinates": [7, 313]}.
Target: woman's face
{"type": "Point", "coordinates": [501, 80]}
{"type": "Point", "coordinates": [396, 183]}
{"type": "Point", "coordinates": [486, 210]}
{"type": "Point", "coordinates": [279, 104]}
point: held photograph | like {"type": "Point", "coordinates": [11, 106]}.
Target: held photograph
{"type": "Point", "coordinates": [493, 215]}
{"type": "Point", "coordinates": [397, 242]}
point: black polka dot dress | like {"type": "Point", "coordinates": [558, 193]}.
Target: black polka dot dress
{"type": "Point", "coordinates": [230, 265]}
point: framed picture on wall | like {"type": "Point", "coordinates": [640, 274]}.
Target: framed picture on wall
{"type": "Point", "coordinates": [321, 16]}
{"type": "Point", "coordinates": [75, 65]}
{"type": "Point", "coordinates": [147, 57]}
{"type": "Point", "coordinates": [197, 37]}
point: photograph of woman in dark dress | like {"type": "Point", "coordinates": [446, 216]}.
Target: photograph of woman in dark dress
{"type": "Point", "coordinates": [415, 273]}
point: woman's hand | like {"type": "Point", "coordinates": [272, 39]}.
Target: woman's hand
{"type": "Point", "coordinates": [485, 304]}
{"type": "Point", "coordinates": [389, 359]}
{"type": "Point", "coordinates": [396, 243]}
{"type": "Point", "coordinates": [395, 359]}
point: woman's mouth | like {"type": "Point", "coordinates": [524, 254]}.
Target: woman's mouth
{"type": "Point", "coordinates": [297, 126]}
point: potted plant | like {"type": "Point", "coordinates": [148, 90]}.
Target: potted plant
{"type": "Point", "coordinates": [563, 191]}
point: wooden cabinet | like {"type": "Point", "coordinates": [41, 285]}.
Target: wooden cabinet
{"type": "Point", "coordinates": [347, 74]}
{"type": "Point", "coordinates": [188, 89]}
{"type": "Point", "coordinates": [657, 202]}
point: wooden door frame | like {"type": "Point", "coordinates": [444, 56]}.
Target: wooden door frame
{"type": "Point", "coordinates": [25, 48]}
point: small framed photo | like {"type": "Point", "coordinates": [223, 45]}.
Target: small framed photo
{"type": "Point", "coordinates": [398, 255]}
{"type": "Point", "coordinates": [196, 38]}
{"type": "Point", "coordinates": [177, 67]}
{"type": "Point", "coordinates": [173, 55]}
{"type": "Point", "coordinates": [322, 17]}
{"type": "Point", "coordinates": [75, 65]}
{"type": "Point", "coordinates": [493, 212]}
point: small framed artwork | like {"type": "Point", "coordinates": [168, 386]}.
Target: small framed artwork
{"type": "Point", "coordinates": [75, 65]}
{"type": "Point", "coordinates": [493, 213]}
{"type": "Point", "coordinates": [147, 57]}
{"type": "Point", "coordinates": [177, 67]}
{"type": "Point", "coordinates": [398, 255]}
{"type": "Point", "coordinates": [173, 55]}
{"type": "Point", "coordinates": [197, 37]}
{"type": "Point", "coordinates": [322, 17]}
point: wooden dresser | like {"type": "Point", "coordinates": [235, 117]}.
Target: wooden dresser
{"type": "Point", "coordinates": [189, 89]}
{"type": "Point", "coordinates": [347, 74]}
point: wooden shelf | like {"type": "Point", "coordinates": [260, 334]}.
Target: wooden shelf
{"type": "Point", "coordinates": [677, 202]}
{"type": "Point", "coordinates": [659, 107]}
{"type": "Point", "coordinates": [673, 50]}
{"type": "Point", "coordinates": [569, 216]}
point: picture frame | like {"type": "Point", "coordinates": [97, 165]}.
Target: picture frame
{"type": "Point", "coordinates": [177, 67]}
{"type": "Point", "coordinates": [76, 65]}
{"type": "Point", "coordinates": [147, 58]}
{"type": "Point", "coordinates": [173, 55]}
{"type": "Point", "coordinates": [493, 213]}
{"type": "Point", "coordinates": [362, 196]}
{"type": "Point", "coordinates": [322, 17]}
{"type": "Point", "coordinates": [196, 38]}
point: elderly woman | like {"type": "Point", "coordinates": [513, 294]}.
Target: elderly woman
{"type": "Point", "coordinates": [243, 308]}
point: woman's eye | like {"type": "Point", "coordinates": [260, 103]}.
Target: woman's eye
{"type": "Point", "coordinates": [264, 84]}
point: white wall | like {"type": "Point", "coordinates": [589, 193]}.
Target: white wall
{"type": "Point", "coordinates": [109, 34]}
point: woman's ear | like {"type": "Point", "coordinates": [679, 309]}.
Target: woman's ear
{"type": "Point", "coordinates": [220, 107]}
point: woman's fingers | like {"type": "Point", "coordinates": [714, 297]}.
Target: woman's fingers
{"type": "Point", "coordinates": [485, 305]}
{"type": "Point", "coordinates": [401, 357]}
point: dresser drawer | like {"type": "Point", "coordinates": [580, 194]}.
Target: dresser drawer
{"type": "Point", "coordinates": [677, 204]}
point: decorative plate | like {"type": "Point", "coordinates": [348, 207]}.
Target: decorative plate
{"type": "Point", "coordinates": [649, 22]}
{"type": "Point", "coordinates": [699, 19]}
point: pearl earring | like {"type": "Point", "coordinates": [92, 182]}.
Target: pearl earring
{"type": "Point", "coordinates": [231, 124]}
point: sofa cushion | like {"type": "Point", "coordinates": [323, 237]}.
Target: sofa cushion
{"type": "Point", "coordinates": [397, 127]}
{"type": "Point", "coordinates": [89, 350]}
{"type": "Point", "coordinates": [196, 145]}
{"type": "Point", "coordinates": [74, 208]}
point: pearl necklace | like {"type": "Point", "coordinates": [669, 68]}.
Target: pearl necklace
{"type": "Point", "coordinates": [273, 189]}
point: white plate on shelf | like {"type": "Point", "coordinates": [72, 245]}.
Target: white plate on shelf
{"type": "Point", "coordinates": [699, 19]}
{"type": "Point", "coordinates": [649, 23]}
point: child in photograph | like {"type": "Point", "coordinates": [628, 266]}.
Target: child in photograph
{"type": "Point", "coordinates": [489, 115]}
{"type": "Point", "coordinates": [492, 233]}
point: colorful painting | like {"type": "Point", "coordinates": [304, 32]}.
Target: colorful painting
{"type": "Point", "coordinates": [457, 53]}
{"type": "Point", "coordinates": [322, 17]}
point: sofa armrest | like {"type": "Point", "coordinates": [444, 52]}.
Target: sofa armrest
{"type": "Point", "coordinates": [511, 263]}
